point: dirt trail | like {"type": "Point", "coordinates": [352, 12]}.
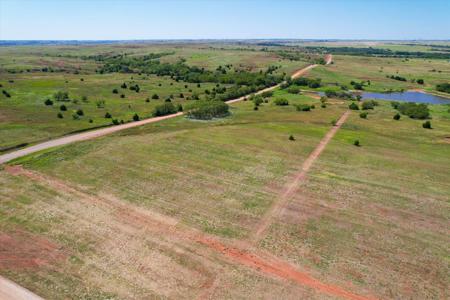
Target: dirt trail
{"type": "Point", "coordinates": [292, 187]}
{"type": "Point", "coordinates": [12, 291]}
{"type": "Point", "coordinates": [104, 131]}
{"type": "Point", "coordinates": [241, 253]}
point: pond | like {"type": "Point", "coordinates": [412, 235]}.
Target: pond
{"type": "Point", "coordinates": [409, 96]}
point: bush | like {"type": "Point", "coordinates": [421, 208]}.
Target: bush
{"type": "Point", "coordinates": [303, 107]}
{"type": "Point", "coordinates": [310, 82]}
{"type": "Point", "coordinates": [396, 117]}
{"type": "Point", "coordinates": [155, 97]}
{"type": "Point", "coordinates": [179, 107]}
{"type": "Point", "coordinates": [255, 107]}
{"type": "Point", "coordinates": [293, 90]}
{"type": "Point", "coordinates": [7, 95]}
{"type": "Point", "coordinates": [115, 122]}
{"type": "Point", "coordinates": [443, 87]}
{"type": "Point", "coordinates": [164, 109]}
{"type": "Point", "coordinates": [75, 116]}
{"type": "Point", "coordinates": [115, 91]}
{"type": "Point", "coordinates": [395, 104]}
{"type": "Point", "coordinates": [122, 96]}
{"type": "Point", "coordinates": [60, 115]}
{"type": "Point", "coordinates": [353, 106]}
{"type": "Point", "coordinates": [323, 105]}
{"type": "Point", "coordinates": [281, 102]}
{"type": "Point", "coordinates": [267, 94]}
{"type": "Point", "coordinates": [108, 115]}
{"type": "Point", "coordinates": [291, 138]}
{"type": "Point", "coordinates": [124, 85]}
{"type": "Point", "coordinates": [63, 108]}
{"type": "Point", "coordinates": [207, 109]}
{"type": "Point", "coordinates": [356, 143]}
{"type": "Point", "coordinates": [136, 117]}
{"type": "Point", "coordinates": [48, 102]}
{"type": "Point", "coordinates": [363, 115]}
{"type": "Point", "coordinates": [420, 81]}
{"type": "Point", "coordinates": [61, 96]}
{"type": "Point", "coordinates": [369, 104]}
{"type": "Point", "coordinates": [333, 122]}
{"type": "Point", "coordinates": [257, 100]}
{"type": "Point", "coordinates": [413, 110]}
{"type": "Point", "coordinates": [80, 112]}
{"type": "Point", "coordinates": [427, 125]}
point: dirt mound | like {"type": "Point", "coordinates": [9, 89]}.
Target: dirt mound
{"type": "Point", "coordinates": [20, 249]}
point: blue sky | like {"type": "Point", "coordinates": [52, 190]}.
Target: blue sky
{"type": "Point", "coordinates": [196, 19]}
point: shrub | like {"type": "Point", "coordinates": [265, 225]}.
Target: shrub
{"type": "Point", "coordinates": [281, 102]}
{"type": "Point", "coordinates": [60, 115]}
{"type": "Point", "coordinates": [48, 102]}
{"type": "Point", "coordinates": [267, 94]}
{"type": "Point", "coordinates": [427, 125]}
{"type": "Point", "coordinates": [420, 81]}
{"type": "Point", "coordinates": [413, 110]}
{"type": "Point", "coordinates": [333, 122]}
{"type": "Point", "coordinates": [323, 105]}
{"type": "Point", "coordinates": [293, 90]}
{"type": "Point", "coordinates": [115, 122]}
{"type": "Point", "coordinates": [257, 100]}
{"type": "Point", "coordinates": [180, 107]}
{"type": "Point", "coordinates": [124, 85]}
{"type": "Point", "coordinates": [63, 108]}
{"type": "Point", "coordinates": [369, 104]}
{"type": "Point", "coordinates": [61, 96]}
{"type": "Point", "coordinates": [84, 98]}
{"type": "Point", "coordinates": [108, 115]}
{"type": "Point", "coordinates": [443, 87]}
{"type": "Point", "coordinates": [122, 96]}
{"type": "Point", "coordinates": [291, 138]}
{"type": "Point", "coordinates": [255, 107]}
{"type": "Point", "coordinates": [363, 115]}
{"type": "Point", "coordinates": [7, 95]}
{"type": "Point", "coordinates": [353, 106]}
{"type": "Point", "coordinates": [303, 107]}
{"type": "Point", "coordinates": [396, 117]}
{"type": "Point", "coordinates": [164, 109]}
{"type": "Point", "coordinates": [395, 104]}
{"type": "Point", "coordinates": [75, 116]}
{"type": "Point", "coordinates": [80, 112]}
{"type": "Point", "coordinates": [155, 97]}
{"type": "Point", "coordinates": [115, 91]}
{"type": "Point", "coordinates": [136, 117]}
{"type": "Point", "coordinates": [356, 143]}
{"type": "Point", "coordinates": [207, 109]}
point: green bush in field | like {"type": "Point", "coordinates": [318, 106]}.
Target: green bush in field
{"type": "Point", "coordinates": [257, 100]}
{"type": "Point", "coordinates": [353, 106]}
{"type": "Point", "coordinates": [443, 87]}
{"type": "Point", "coordinates": [155, 97]}
{"type": "Point", "coordinates": [356, 143]}
{"type": "Point", "coordinates": [61, 96]}
{"type": "Point", "coordinates": [369, 104]}
{"type": "Point", "coordinates": [60, 115]}
{"type": "Point", "coordinates": [363, 115]}
{"type": "Point", "coordinates": [291, 138]}
{"type": "Point", "coordinates": [164, 109]}
{"type": "Point", "coordinates": [281, 102]}
{"type": "Point", "coordinates": [413, 110]}
{"type": "Point", "coordinates": [136, 117]}
{"type": "Point", "coordinates": [427, 125]}
{"type": "Point", "coordinates": [420, 81]}
{"type": "Point", "coordinates": [207, 109]}
{"type": "Point", "coordinates": [115, 91]}
{"type": "Point", "coordinates": [179, 107]}
{"type": "Point", "coordinates": [303, 107]}
{"type": "Point", "coordinates": [80, 112]}
{"type": "Point", "coordinates": [63, 108]}
{"type": "Point", "coordinates": [293, 90]}
{"type": "Point", "coordinates": [267, 94]}
{"type": "Point", "coordinates": [115, 122]}
{"type": "Point", "coordinates": [108, 115]}
{"type": "Point", "coordinates": [396, 117]}
{"type": "Point", "coordinates": [48, 102]}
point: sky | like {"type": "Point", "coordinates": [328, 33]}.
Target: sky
{"type": "Point", "coordinates": [223, 19]}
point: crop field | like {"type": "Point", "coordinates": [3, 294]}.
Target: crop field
{"type": "Point", "coordinates": [288, 196]}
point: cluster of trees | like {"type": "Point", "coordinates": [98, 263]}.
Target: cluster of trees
{"type": "Point", "coordinates": [61, 96]}
{"type": "Point", "coordinates": [369, 104]}
{"type": "Point", "coordinates": [340, 95]}
{"type": "Point", "coordinates": [396, 77]}
{"type": "Point", "coordinates": [304, 107]}
{"type": "Point", "coordinates": [412, 110]}
{"type": "Point", "coordinates": [281, 102]}
{"type": "Point", "coordinates": [207, 109]}
{"type": "Point", "coordinates": [443, 87]}
{"type": "Point", "coordinates": [359, 85]}
{"type": "Point", "coordinates": [167, 108]}
{"type": "Point", "coordinates": [369, 51]}
{"type": "Point", "coordinates": [303, 81]}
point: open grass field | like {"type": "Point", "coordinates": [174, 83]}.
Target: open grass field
{"type": "Point", "coordinates": [174, 209]}
{"type": "Point", "coordinates": [359, 68]}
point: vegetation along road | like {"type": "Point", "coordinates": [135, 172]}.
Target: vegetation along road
{"type": "Point", "coordinates": [104, 131]}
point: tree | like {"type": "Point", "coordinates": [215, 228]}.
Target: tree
{"type": "Point", "coordinates": [115, 91]}
{"type": "Point", "coordinates": [124, 85]}
{"type": "Point", "coordinates": [281, 102]}
{"type": "Point", "coordinates": [60, 115]}
{"type": "Point", "coordinates": [396, 117]}
{"type": "Point", "coordinates": [155, 97]}
{"type": "Point", "coordinates": [207, 109]}
{"type": "Point", "coordinates": [61, 96]}
{"type": "Point", "coordinates": [353, 106]}
{"type": "Point", "coordinates": [63, 108]}
{"type": "Point", "coordinates": [136, 117]}
{"type": "Point", "coordinates": [108, 115]}
{"type": "Point", "coordinates": [356, 143]}
{"type": "Point", "coordinates": [427, 125]}
{"type": "Point", "coordinates": [164, 109]}
{"type": "Point", "coordinates": [48, 102]}
{"type": "Point", "coordinates": [363, 115]}
{"type": "Point", "coordinates": [420, 81]}
{"type": "Point", "coordinates": [80, 112]}
{"type": "Point", "coordinates": [291, 138]}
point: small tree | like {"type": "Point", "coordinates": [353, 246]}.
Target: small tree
{"type": "Point", "coordinates": [420, 81]}
{"type": "Point", "coordinates": [63, 108]}
{"type": "Point", "coordinates": [155, 97]}
{"type": "Point", "coordinates": [136, 117]}
{"type": "Point", "coordinates": [122, 96]}
{"type": "Point", "coordinates": [80, 112]}
{"type": "Point", "coordinates": [396, 117]}
{"type": "Point", "coordinates": [60, 115]}
{"type": "Point", "coordinates": [281, 102]}
{"type": "Point", "coordinates": [291, 138]}
{"type": "Point", "coordinates": [353, 106]}
{"type": "Point", "coordinates": [124, 85]}
{"type": "Point", "coordinates": [108, 115]}
{"type": "Point", "coordinates": [48, 102]}
{"type": "Point", "coordinates": [356, 143]}
{"type": "Point", "coordinates": [115, 91]}
{"type": "Point", "coordinates": [427, 125]}
{"type": "Point", "coordinates": [363, 115]}
{"type": "Point", "coordinates": [115, 122]}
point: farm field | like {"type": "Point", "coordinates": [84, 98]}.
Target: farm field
{"type": "Point", "coordinates": [289, 195]}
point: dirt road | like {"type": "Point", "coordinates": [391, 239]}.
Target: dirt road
{"type": "Point", "coordinates": [104, 131]}
{"type": "Point", "coordinates": [292, 187]}
{"type": "Point", "coordinates": [11, 291]}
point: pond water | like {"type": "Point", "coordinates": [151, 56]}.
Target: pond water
{"type": "Point", "coordinates": [409, 96]}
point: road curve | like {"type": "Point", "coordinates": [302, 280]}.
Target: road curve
{"type": "Point", "coordinates": [104, 131]}
{"type": "Point", "coordinates": [12, 291]}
